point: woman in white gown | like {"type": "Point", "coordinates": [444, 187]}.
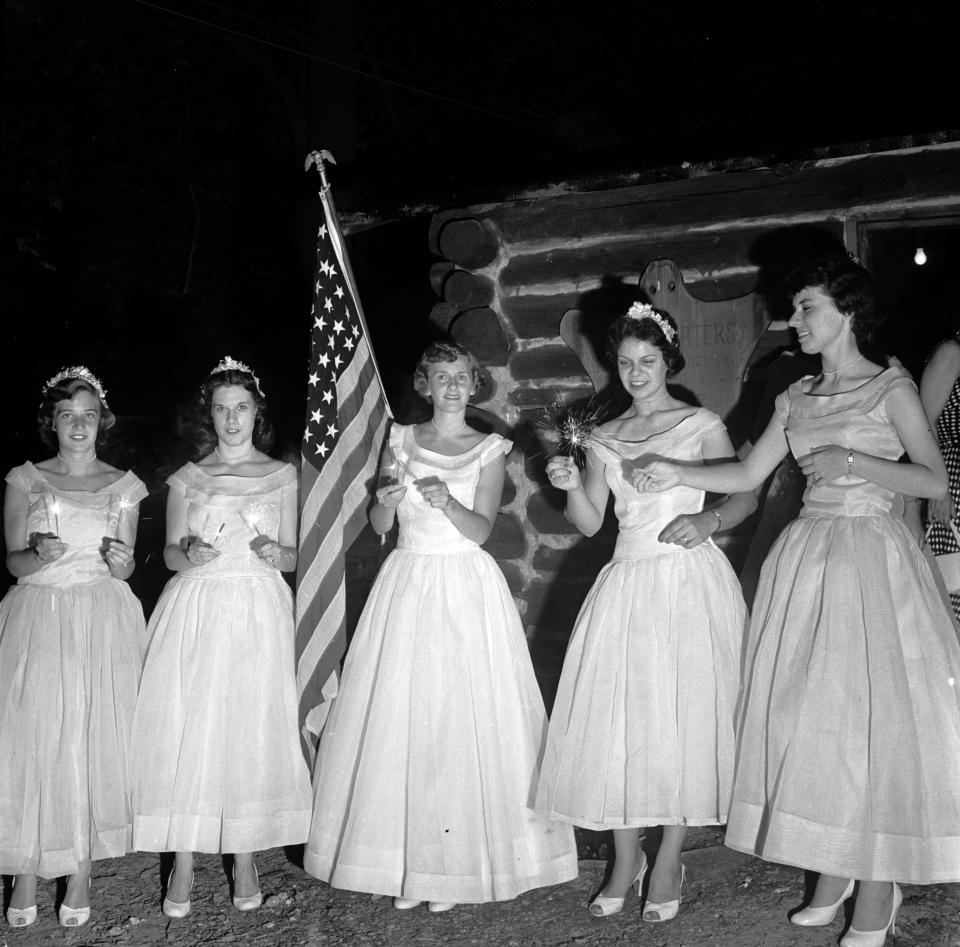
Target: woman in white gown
{"type": "Point", "coordinates": [642, 730]}
{"type": "Point", "coordinates": [427, 768]}
{"type": "Point", "coordinates": [71, 647]}
{"type": "Point", "coordinates": [217, 765]}
{"type": "Point", "coordinates": [849, 739]}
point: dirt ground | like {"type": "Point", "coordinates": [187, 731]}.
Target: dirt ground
{"type": "Point", "coordinates": [730, 900]}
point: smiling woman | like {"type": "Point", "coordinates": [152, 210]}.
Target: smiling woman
{"type": "Point", "coordinates": [71, 647]}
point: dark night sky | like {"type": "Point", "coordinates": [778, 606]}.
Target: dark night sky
{"type": "Point", "coordinates": [156, 214]}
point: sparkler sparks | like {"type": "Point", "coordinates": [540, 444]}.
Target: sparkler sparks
{"type": "Point", "coordinates": [571, 426]}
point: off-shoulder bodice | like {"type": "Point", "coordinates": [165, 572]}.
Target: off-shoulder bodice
{"type": "Point", "coordinates": [81, 518]}
{"type": "Point", "coordinates": [422, 528]}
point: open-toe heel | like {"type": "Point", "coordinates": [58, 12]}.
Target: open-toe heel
{"type": "Point", "coordinates": [655, 912]}
{"type": "Point", "coordinates": [602, 906]}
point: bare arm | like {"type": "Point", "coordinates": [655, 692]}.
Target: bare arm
{"type": "Point", "coordinates": [477, 523]}
{"type": "Point", "coordinates": [389, 494]}
{"type": "Point", "coordinates": [25, 554]}
{"type": "Point", "coordinates": [938, 379]}
{"type": "Point", "coordinates": [587, 490]}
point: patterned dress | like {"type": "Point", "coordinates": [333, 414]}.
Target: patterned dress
{"type": "Point", "coordinates": [71, 647]}
{"type": "Point", "coordinates": [940, 536]}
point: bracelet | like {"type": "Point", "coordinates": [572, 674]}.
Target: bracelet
{"type": "Point", "coordinates": [446, 506]}
{"type": "Point", "coordinates": [850, 462]}
{"type": "Point", "coordinates": [716, 513]}
{"type": "Point", "coordinates": [36, 555]}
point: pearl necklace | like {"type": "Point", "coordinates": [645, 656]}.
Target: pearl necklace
{"type": "Point", "coordinates": [836, 371]}
{"type": "Point", "coordinates": [449, 433]}
{"type": "Point", "coordinates": [653, 400]}
{"type": "Point", "coordinates": [76, 463]}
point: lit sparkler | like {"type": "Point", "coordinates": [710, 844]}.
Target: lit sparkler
{"type": "Point", "coordinates": [570, 427]}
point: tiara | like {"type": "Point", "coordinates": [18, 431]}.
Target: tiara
{"type": "Point", "coordinates": [640, 311]}
{"type": "Point", "coordinates": [84, 374]}
{"type": "Point", "coordinates": [229, 364]}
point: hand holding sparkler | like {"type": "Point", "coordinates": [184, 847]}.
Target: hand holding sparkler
{"type": "Point", "coordinates": [563, 473]}
{"type": "Point", "coordinates": [47, 547]}
{"type": "Point", "coordinates": [571, 429]}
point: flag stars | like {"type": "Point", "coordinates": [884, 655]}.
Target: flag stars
{"type": "Point", "coordinates": [356, 331]}
{"type": "Point", "coordinates": [322, 232]}
{"type": "Point", "coordinates": [319, 322]}
{"type": "Point", "coordinates": [323, 359]}
{"type": "Point", "coordinates": [337, 361]}
{"type": "Point", "coordinates": [348, 344]}
{"type": "Point", "coordinates": [327, 396]}
{"type": "Point", "coordinates": [338, 292]}
{"type": "Point", "coordinates": [331, 431]}
{"type": "Point", "coordinates": [307, 434]}
{"type": "Point", "coordinates": [328, 303]}
{"type": "Point", "coordinates": [316, 416]}
{"type": "Point", "coordinates": [326, 268]}
{"type": "Point", "coordinates": [313, 379]}
{"type": "Point", "coordinates": [322, 449]}
{"type": "Point", "coordinates": [331, 341]}
{"type": "Point", "coordinates": [338, 327]}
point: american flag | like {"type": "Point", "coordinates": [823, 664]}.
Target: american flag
{"type": "Point", "coordinates": [346, 418]}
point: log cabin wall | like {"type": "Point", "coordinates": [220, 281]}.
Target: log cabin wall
{"type": "Point", "coordinates": [508, 272]}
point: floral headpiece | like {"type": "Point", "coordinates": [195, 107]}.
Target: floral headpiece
{"type": "Point", "coordinates": [640, 311]}
{"type": "Point", "coordinates": [82, 373]}
{"type": "Point", "coordinates": [229, 364]}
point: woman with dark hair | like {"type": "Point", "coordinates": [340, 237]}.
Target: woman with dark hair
{"type": "Point", "coordinates": [428, 762]}
{"type": "Point", "coordinates": [71, 646]}
{"type": "Point", "coordinates": [849, 746]}
{"type": "Point", "coordinates": [642, 731]}
{"type": "Point", "coordinates": [217, 765]}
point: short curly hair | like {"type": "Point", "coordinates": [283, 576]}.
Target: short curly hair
{"type": "Point", "coordinates": [847, 283]}
{"type": "Point", "coordinates": [262, 426]}
{"type": "Point", "coordinates": [438, 352]}
{"type": "Point", "coordinates": [63, 391]}
{"type": "Point", "coordinates": [647, 330]}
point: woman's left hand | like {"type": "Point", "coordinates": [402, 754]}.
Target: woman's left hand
{"type": "Point", "coordinates": [689, 529]}
{"type": "Point", "coordinates": [118, 554]}
{"type": "Point", "coordinates": [434, 491]}
{"type": "Point", "coordinates": [824, 464]}
{"type": "Point", "coordinates": [268, 550]}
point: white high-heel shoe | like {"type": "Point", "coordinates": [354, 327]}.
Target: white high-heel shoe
{"type": "Point", "coordinates": [406, 904]}
{"type": "Point", "coordinates": [602, 906]}
{"type": "Point", "coordinates": [665, 910]}
{"type": "Point", "coordinates": [855, 938]}
{"type": "Point", "coordinates": [74, 917]}
{"type": "Point", "coordinates": [818, 917]}
{"type": "Point", "coordinates": [22, 917]}
{"type": "Point", "coordinates": [176, 908]}
{"type": "Point", "coordinates": [250, 902]}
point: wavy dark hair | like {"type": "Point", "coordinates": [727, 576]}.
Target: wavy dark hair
{"type": "Point", "coordinates": [205, 435]}
{"type": "Point", "coordinates": [848, 284]}
{"type": "Point", "coordinates": [647, 330]}
{"type": "Point", "coordinates": [64, 391]}
{"type": "Point", "coordinates": [437, 352]}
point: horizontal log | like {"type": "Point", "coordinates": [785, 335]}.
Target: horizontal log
{"type": "Point", "coordinates": [479, 331]}
{"type": "Point", "coordinates": [437, 223]}
{"type": "Point", "coordinates": [539, 397]}
{"type": "Point", "coordinates": [707, 254]}
{"type": "Point", "coordinates": [467, 290]}
{"type": "Point", "coordinates": [468, 243]}
{"type": "Point", "coordinates": [803, 188]}
{"type": "Point", "coordinates": [547, 361]}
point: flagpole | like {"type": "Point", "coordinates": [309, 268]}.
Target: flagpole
{"type": "Point", "coordinates": [318, 159]}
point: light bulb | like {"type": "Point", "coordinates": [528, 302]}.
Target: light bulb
{"type": "Point", "coordinates": [919, 257]}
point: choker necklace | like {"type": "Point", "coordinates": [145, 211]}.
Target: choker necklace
{"type": "Point", "coordinates": [239, 460]}
{"type": "Point", "coordinates": [76, 463]}
{"type": "Point", "coordinates": [653, 400]}
{"type": "Point", "coordinates": [448, 433]}
{"type": "Point", "coordinates": [837, 371]}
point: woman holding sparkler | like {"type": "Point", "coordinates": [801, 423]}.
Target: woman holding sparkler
{"type": "Point", "coordinates": [849, 744]}
{"type": "Point", "coordinates": [71, 647]}
{"type": "Point", "coordinates": [428, 763]}
{"type": "Point", "coordinates": [217, 759]}
{"type": "Point", "coordinates": [642, 730]}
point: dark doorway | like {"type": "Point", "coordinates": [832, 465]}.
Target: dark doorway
{"type": "Point", "coordinates": [919, 290]}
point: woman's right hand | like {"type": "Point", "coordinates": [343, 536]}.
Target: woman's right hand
{"type": "Point", "coordinates": [48, 548]}
{"type": "Point", "coordinates": [563, 473]}
{"type": "Point", "coordinates": [656, 477]}
{"type": "Point", "coordinates": [391, 495]}
{"type": "Point", "coordinates": [199, 553]}
{"type": "Point", "coordinates": [941, 511]}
